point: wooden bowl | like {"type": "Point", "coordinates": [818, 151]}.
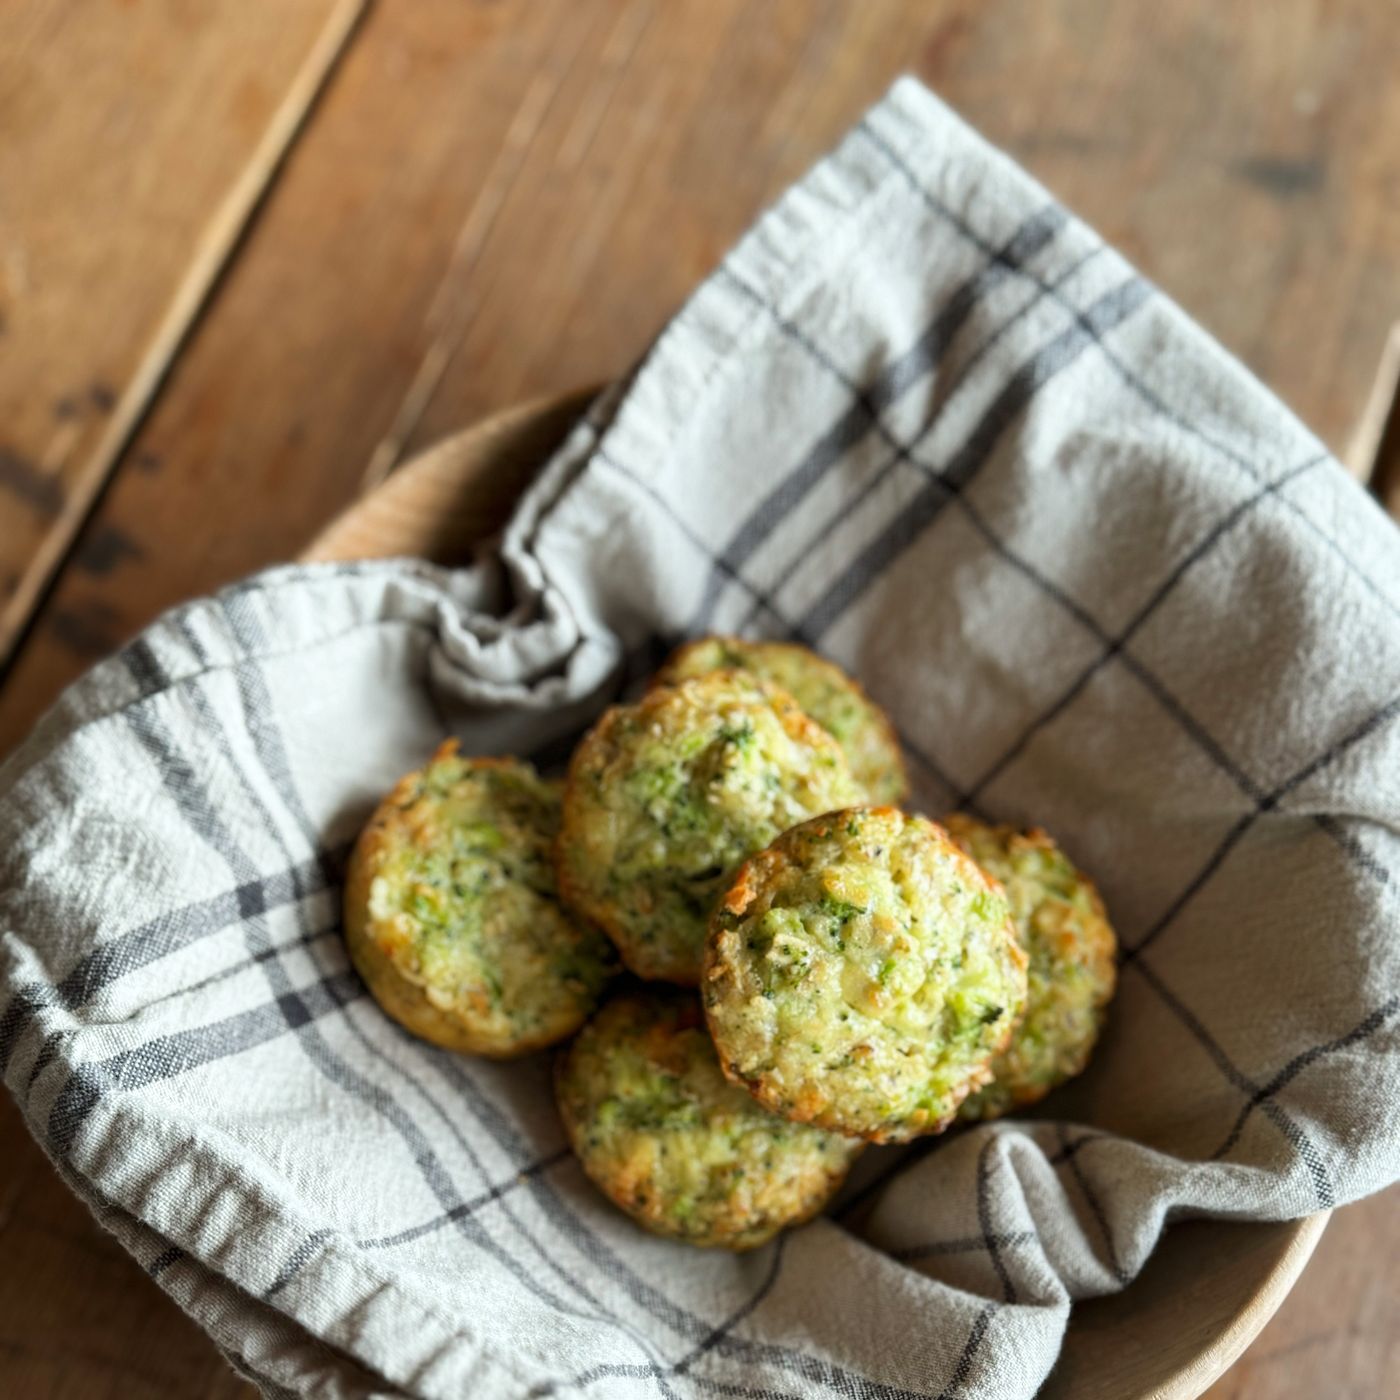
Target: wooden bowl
{"type": "Point", "coordinates": [1210, 1286]}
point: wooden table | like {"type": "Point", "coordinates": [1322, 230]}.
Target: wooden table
{"type": "Point", "coordinates": [252, 255]}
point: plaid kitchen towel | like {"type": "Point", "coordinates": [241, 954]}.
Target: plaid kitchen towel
{"type": "Point", "coordinates": [924, 420]}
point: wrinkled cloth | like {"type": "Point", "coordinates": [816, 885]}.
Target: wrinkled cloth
{"type": "Point", "coordinates": [925, 421]}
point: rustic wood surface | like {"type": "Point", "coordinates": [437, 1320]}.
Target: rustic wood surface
{"type": "Point", "coordinates": [252, 255]}
{"type": "Point", "coordinates": [169, 183]}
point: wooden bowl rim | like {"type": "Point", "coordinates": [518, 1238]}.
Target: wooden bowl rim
{"type": "Point", "coordinates": [1193, 1380]}
{"type": "Point", "coordinates": [465, 456]}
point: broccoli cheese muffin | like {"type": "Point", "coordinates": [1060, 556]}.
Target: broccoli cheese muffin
{"type": "Point", "coordinates": [823, 690]}
{"type": "Point", "coordinates": [681, 1150]}
{"type": "Point", "coordinates": [861, 973]}
{"type": "Point", "coordinates": [452, 916]}
{"type": "Point", "coordinates": [665, 797]}
{"type": "Point", "coordinates": [1071, 946]}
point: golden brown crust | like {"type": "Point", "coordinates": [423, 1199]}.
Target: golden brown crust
{"type": "Point", "coordinates": [876, 759]}
{"type": "Point", "coordinates": [647, 837]}
{"type": "Point", "coordinates": [1061, 919]}
{"type": "Point", "coordinates": [860, 974]}
{"type": "Point", "coordinates": [460, 996]}
{"type": "Point", "coordinates": [602, 916]}
{"type": "Point", "coordinates": [661, 1134]}
{"type": "Point", "coordinates": [409, 1005]}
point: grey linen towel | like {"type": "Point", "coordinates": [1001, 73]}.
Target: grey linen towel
{"type": "Point", "coordinates": [924, 420]}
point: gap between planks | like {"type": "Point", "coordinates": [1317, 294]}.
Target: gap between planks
{"type": "Point", "coordinates": [215, 248]}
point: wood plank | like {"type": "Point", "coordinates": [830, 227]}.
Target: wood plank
{"type": "Point", "coordinates": [632, 201]}
{"type": "Point", "coordinates": [78, 1318]}
{"type": "Point", "coordinates": [1245, 157]}
{"type": "Point", "coordinates": [511, 143]}
{"type": "Point", "coordinates": [543, 186]}
{"type": "Point", "coordinates": [497, 201]}
{"type": "Point", "coordinates": [105, 259]}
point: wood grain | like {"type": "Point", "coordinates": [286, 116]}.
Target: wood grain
{"type": "Point", "coordinates": [533, 189]}
{"type": "Point", "coordinates": [94, 321]}
{"type": "Point", "coordinates": [1246, 157]}
{"type": "Point", "coordinates": [493, 201]}
{"type": "Point", "coordinates": [78, 1318]}
{"type": "Point", "coordinates": [1338, 1333]}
